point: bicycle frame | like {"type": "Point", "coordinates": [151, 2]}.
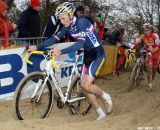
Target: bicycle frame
{"type": "Point", "coordinates": [141, 60]}
{"type": "Point", "coordinates": [50, 73]}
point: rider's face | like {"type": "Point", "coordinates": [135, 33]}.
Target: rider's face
{"type": "Point", "coordinates": [65, 20]}
{"type": "Point", "coordinates": [147, 31]}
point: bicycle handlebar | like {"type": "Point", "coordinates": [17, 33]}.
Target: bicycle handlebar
{"type": "Point", "coordinates": [54, 64]}
{"type": "Point", "coordinates": [39, 53]}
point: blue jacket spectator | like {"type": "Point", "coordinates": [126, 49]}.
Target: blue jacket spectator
{"type": "Point", "coordinates": [29, 24]}
{"type": "Point", "coordinates": [116, 36]}
{"type": "Point", "coordinates": [53, 27]}
{"type": "Point", "coordinates": [79, 11]}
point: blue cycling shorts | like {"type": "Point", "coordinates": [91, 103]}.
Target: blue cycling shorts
{"type": "Point", "coordinates": [94, 59]}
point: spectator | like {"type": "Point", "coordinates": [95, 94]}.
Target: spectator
{"type": "Point", "coordinates": [86, 11]}
{"type": "Point", "coordinates": [97, 22]}
{"type": "Point", "coordinates": [106, 34]}
{"type": "Point", "coordinates": [116, 37]}
{"type": "Point", "coordinates": [29, 23]}
{"type": "Point", "coordinates": [53, 27]}
{"type": "Point", "coordinates": [100, 26]}
{"type": "Point", "coordinates": [6, 28]}
{"type": "Point", "coordinates": [92, 15]}
{"type": "Point", "coordinates": [79, 11]}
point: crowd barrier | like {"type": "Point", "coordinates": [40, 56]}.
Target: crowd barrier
{"type": "Point", "coordinates": [19, 42]}
{"type": "Point", "coordinates": [111, 59]}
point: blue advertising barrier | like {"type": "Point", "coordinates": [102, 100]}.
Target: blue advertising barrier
{"type": "Point", "coordinates": [13, 68]}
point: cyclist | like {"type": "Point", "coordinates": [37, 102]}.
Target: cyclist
{"type": "Point", "coordinates": [151, 42]}
{"type": "Point", "coordinates": [86, 37]}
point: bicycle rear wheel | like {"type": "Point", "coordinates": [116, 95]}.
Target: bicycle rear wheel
{"type": "Point", "coordinates": [26, 106]}
{"type": "Point", "coordinates": [80, 107]}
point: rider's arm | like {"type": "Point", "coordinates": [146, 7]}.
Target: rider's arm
{"type": "Point", "coordinates": [155, 49]}
{"type": "Point", "coordinates": [157, 42]}
{"type": "Point", "coordinates": [82, 26]}
{"type": "Point", "coordinates": [78, 45]}
{"type": "Point", "coordinates": [52, 40]}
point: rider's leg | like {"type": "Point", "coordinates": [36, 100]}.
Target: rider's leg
{"type": "Point", "coordinates": [155, 65]}
{"type": "Point", "coordinates": [149, 65]}
{"type": "Point", "coordinates": [88, 86]}
{"type": "Point", "coordinates": [91, 91]}
{"type": "Point", "coordinates": [149, 73]}
{"type": "Point", "coordinates": [154, 72]}
{"type": "Point", "coordinates": [91, 98]}
{"type": "Point", "coordinates": [149, 76]}
{"type": "Point", "coordinates": [88, 79]}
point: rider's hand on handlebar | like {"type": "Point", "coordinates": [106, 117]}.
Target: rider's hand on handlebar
{"type": "Point", "coordinates": [149, 54]}
{"type": "Point", "coordinates": [29, 49]}
{"type": "Point", "coordinates": [56, 52]}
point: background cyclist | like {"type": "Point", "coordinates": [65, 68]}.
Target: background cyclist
{"type": "Point", "coordinates": [151, 42]}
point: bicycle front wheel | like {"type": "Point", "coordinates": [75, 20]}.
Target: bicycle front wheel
{"type": "Point", "coordinates": [132, 78]}
{"type": "Point", "coordinates": [30, 100]}
{"type": "Point", "coordinates": [80, 107]}
{"type": "Point", "coordinates": [139, 76]}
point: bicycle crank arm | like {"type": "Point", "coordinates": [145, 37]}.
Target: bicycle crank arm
{"type": "Point", "coordinates": [75, 99]}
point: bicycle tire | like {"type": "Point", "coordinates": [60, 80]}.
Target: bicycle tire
{"type": "Point", "coordinates": [138, 77]}
{"type": "Point", "coordinates": [19, 97]}
{"type": "Point", "coordinates": [132, 78]}
{"type": "Point", "coordinates": [76, 91]}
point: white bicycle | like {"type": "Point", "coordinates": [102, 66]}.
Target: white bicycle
{"type": "Point", "coordinates": [34, 95]}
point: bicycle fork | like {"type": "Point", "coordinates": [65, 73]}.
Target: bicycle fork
{"type": "Point", "coordinates": [38, 85]}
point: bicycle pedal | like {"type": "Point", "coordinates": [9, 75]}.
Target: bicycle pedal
{"type": "Point", "coordinates": [60, 104]}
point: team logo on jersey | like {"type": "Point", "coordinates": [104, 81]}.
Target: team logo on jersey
{"type": "Point", "coordinates": [82, 34]}
{"type": "Point", "coordinates": [92, 37]}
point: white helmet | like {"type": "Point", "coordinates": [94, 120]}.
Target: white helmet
{"type": "Point", "coordinates": [147, 25]}
{"type": "Point", "coordinates": [65, 8]}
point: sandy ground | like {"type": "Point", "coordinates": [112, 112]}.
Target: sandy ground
{"type": "Point", "coordinates": [136, 110]}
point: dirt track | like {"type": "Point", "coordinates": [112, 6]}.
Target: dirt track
{"type": "Point", "coordinates": [131, 111]}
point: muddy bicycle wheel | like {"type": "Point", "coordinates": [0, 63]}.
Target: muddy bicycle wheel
{"type": "Point", "coordinates": [27, 107]}
{"type": "Point", "coordinates": [132, 78]}
{"type": "Point", "coordinates": [138, 77]}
